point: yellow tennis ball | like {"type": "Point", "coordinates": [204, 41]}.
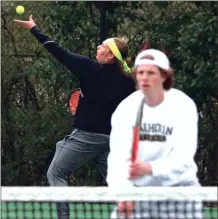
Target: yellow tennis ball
{"type": "Point", "coordinates": [20, 9]}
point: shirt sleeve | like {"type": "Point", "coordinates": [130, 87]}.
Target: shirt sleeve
{"type": "Point", "coordinates": [120, 148]}
{"type": "Point", "coordinates": [170, 168]}
{"type": "Point", "coordinates": [77, 64]}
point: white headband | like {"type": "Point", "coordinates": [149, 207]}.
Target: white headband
{"type": "Point", "coordinates": [160, 59]}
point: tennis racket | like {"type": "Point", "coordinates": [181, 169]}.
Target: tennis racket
{"type": "Point", "coordinates": [136, 131]}
{"type": "Point", "coordinates": [73, 100]}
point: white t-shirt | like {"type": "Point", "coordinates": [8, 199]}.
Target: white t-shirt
{"type": "Point", "coordinates": [168, 141]}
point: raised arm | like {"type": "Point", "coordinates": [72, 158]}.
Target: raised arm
{"type": "Point", "coordinates": [77, 64]}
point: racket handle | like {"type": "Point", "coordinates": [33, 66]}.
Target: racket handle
{"type": "Point", "coordinates": [135, 143]}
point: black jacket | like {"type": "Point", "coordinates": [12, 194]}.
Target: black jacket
{"type": "Point", "coordinates": [102, 85]}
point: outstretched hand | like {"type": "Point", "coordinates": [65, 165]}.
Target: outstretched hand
{"type": "Point", "coordinates": [27, 24]}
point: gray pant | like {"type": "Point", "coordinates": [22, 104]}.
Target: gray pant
{"type": "Point", "coordinates": [73, 151]}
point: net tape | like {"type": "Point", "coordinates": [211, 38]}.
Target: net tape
{"type": "Point", "coordinates": [108, 194]}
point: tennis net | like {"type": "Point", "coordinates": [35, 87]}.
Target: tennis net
{"type": "Point", "coordinates": [101, 202]}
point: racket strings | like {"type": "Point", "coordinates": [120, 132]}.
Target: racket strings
{"type": "Point", "coordinates": [74, 101]}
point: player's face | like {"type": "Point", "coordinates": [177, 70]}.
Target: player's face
{"type": "Point", "coordinates": [149, 78]}
{"type": "Point", "coordinates": [104, 55]}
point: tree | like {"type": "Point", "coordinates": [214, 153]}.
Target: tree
{"type": "Point", "coordinates": [35, 86]}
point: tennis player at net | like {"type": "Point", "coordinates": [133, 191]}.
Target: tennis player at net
{"type": "Point", "coordinates": [167, 145]}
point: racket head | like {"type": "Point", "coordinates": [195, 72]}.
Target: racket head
{"type": "Point", "coordinates": [73, 100]}
{"type": "Point", "coordinates": [136, 131]}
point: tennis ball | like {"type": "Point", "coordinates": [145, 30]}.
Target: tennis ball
{"type": "Point", "coordinates": [20, 9]}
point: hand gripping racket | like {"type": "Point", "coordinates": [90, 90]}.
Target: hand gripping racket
{"type": "Point", "coordinates": [73, 100]}
{"type": "Point", "coordinates": [136, 131]}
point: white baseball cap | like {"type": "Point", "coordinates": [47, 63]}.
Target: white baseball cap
{"type": "Point", "coordinates": [160, 59]}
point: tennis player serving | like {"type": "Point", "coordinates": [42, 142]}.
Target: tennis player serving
{"type": "Point", "coordinates": [167, 141]}
{"type": "Point", "coordinates": [104, 84]}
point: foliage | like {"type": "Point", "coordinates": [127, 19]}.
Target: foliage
{"type": "Point", "coordinates": [35, 86]}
